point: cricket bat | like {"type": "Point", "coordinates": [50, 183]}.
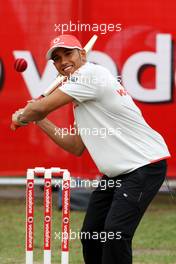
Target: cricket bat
{"type": "Point", "coordinates": [59, 79]}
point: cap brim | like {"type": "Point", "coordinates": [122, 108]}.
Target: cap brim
{"type": "Point", "coordinates": [50, 51]}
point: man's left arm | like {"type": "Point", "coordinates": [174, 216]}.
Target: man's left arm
{"type": "Point", "coordinates": [37, 110]}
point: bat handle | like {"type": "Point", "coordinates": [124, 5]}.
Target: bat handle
{"type": "Point", "coordinates": [14, 126]}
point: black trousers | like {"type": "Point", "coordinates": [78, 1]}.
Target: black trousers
{"type": "Point", "coordinates": [114, 212]}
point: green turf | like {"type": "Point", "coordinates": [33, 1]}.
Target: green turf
{"type": "Point", "coordinates": [154, 242]}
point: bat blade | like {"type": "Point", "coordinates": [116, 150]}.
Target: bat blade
{"type": "Point", "coordinates": [90, 43]}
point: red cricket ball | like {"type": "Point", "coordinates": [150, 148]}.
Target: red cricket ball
{"type": "Point", "coordinates": [20, 65]}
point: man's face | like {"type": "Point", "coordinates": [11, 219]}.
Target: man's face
{"type": "Point", "coordinates": [67, 61]}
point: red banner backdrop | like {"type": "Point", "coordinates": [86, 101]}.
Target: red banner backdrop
{"type": "Point", "coordinates": [135, 41]}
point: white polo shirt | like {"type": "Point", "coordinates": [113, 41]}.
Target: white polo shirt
{"type": "Point", "coordinates": [110, 124]}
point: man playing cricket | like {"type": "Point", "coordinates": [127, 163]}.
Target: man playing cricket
{"type": "Point", "coordinates": [131, 152]}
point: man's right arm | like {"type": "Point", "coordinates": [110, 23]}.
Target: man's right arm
{"type": "Point", "coordinates": [71, 143]}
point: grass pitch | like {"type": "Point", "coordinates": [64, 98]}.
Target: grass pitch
{"type": "Point", "coordinates": [154, 242]}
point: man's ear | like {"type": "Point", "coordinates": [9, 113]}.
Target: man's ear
{"type": "Point", "coordinates": [83, 55]}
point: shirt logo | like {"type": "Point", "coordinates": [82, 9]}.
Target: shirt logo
{"type": "Point", "coordinates": [122, 91]}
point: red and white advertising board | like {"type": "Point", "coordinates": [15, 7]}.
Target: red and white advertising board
{"type": "Point", "coordinates": [142, 53]}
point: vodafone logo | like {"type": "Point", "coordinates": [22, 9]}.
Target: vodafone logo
{"type": "Point", "coordinates": [48, 184]}
{"type": "Point", "coordinates": [160, 57]}
{"type": "Point", "coordinates": [66, 185]}
{"type": "Point", "coordinates": [30, 220]}
{"type": "Point", "coordinates": [47, 219]}
{"type": "Point", "coordinates": [57, 41]}
{"type": "Point", "coordinates": [30, 185]}
{"type": "Point", "coordinates": [65, 220]}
